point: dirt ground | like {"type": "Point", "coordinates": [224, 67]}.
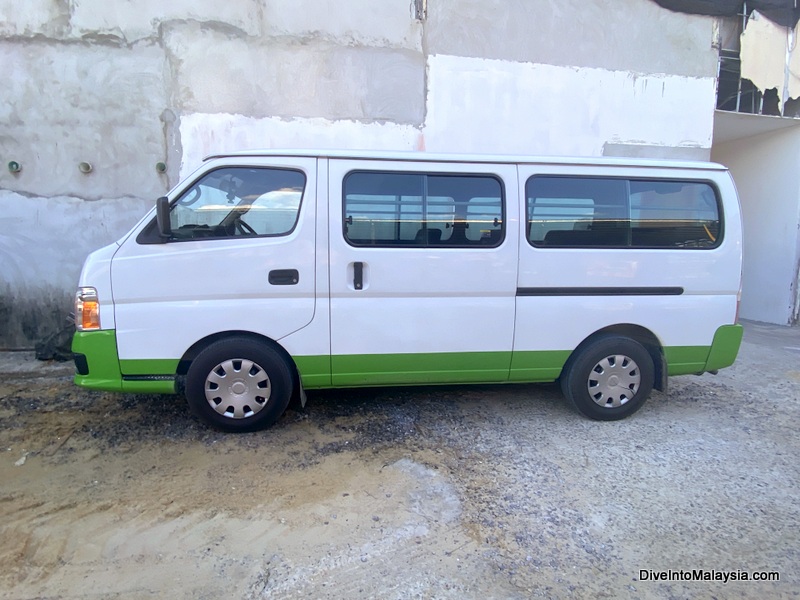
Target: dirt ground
{"type": "Point", "coordinates": [446, 492]}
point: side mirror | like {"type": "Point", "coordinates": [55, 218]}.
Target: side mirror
{"type": "Point", "coordinates": [162, 218]}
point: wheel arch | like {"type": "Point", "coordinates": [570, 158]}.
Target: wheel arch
{"type": "Point", "coordinates": [640, 334]}
{"type": "Point", "coordinates": [195, 349]}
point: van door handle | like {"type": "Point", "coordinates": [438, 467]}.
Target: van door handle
{"type": "Point", "coordinates": [284, 277]}
{"type": "Point", "coordinates": [358, 275]}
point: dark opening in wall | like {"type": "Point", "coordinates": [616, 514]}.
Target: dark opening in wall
{"type": "Point", "coordinates": [734, 93]}
{"type": "Point", "coordinates": [782, 12]}
{"type": "Point", "coordinates": [791, 108]}
{"type": "Point", "coordinates": [771, 104]}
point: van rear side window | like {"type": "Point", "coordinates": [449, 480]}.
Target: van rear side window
{"type": "Point", "coordinates": [592, 212]}
{"type": "Point", "coordinates": [423, 210]}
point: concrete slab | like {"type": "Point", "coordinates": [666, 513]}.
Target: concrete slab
{"type": "Point", "coordinates": [387, 24]}
{"type": "Point", "coordinates": [95, 104]}
{"type": "Point", "coordinates": [628, 35]}
{"type": "Point", "coordinates": [215, 73]}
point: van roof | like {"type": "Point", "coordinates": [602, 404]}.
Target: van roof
{"type": "Point", "coordinates": [473, 158]}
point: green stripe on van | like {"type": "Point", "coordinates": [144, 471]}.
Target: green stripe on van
{"type": "Point", "coordinates": [540, 365]}
{"type": "Point", "coordinates": [438, 367]}
{"type": "Point", "coordinates": [149, 366]}
{"type": "Point", "coordinates": [315, 371]}
{"type": "Point", "coordinates": [391, 369]}
{"type": "Point", "coordinates": [683, 360]}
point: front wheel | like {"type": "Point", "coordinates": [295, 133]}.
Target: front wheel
{"type": "Point", "coordinates": [238, 384]}
{"type": "Point", "coordinates": [609, 379]}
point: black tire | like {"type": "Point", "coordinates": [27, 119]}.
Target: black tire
{"type": "Point", "coordinates": [609, 378]}
{"type": "Point", "coordinates": [255, 396]}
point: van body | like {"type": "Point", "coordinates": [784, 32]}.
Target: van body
{"type": "Point", "coordinates": [268, 273]}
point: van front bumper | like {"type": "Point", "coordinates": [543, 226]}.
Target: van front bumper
{"type": "Point", "coordinates": [96, 360]}
{"type": "Point", "coordinates": [97, 367]}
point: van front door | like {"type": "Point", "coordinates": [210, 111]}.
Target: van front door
{"type": "Point", "coordinates": [423, 260]}
{"type": "Point", "coordinates": [241, 259]}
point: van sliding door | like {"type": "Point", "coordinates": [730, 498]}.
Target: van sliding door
{"type": "Point", "coordinates": [423, 260]}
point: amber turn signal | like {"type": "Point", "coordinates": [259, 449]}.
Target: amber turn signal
{"type": "Point", "coordinates": [87, 309]}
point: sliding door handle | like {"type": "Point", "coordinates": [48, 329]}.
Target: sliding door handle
{"type": "Point", "coordinates": [358, 275]}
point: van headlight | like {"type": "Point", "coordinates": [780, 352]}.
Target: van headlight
{"type": "Point", "coordinates": [87, 309]}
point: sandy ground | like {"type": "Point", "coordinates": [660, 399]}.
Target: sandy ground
{"type": "Point", "coordinates": [451, 492]}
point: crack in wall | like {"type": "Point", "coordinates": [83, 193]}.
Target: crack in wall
{"type": "Point", "coordinates": [226, 29]}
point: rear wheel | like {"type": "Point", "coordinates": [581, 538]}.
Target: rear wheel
{"type": "Point", "coordinates": [238, 384]}
{"type": "Point", "coordinates": [608, 379]}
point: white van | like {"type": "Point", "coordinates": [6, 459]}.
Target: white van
{"type": "Point", "coordinates": [265, 274]}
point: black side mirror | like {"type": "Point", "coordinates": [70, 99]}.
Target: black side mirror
{"type": "Point", "coordinates": [162, 218]}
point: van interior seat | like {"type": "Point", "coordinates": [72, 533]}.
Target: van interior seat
{"type": "Point", "coordinates": [428, 236]}
{"type": "Point", "coordinates": [585, 237]}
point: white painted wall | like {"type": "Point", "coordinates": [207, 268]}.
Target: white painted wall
{"type": "Point", "coordinates": [203, 134]}
{"type": "Point", "coordinates": [765, 169]}
{"type": "Point", "coordinates": [502, 106]}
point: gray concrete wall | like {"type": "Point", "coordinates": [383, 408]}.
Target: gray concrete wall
{"type": "Point", "coordinates": [624, 35]}
{"type": "Point", "coordinates": [289, 77]}
{"type": "Point", "coordinates": [72, 103]}
{"type": "Point", "coordinates": [127, 85]}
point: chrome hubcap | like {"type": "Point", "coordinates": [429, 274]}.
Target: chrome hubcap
{"type": "Point", "coordinates": [237, 388]}
{"type": "Point", "coordinates": [614, 381]}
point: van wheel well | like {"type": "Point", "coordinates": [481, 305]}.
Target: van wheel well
{"type": "Point", "coordinates": [640, 334]}
{"type": "Point", "coordinates": [200, 345]}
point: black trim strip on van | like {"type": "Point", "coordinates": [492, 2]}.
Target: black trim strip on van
{"type": "Point", "coordinates": [147, 377]}
{"type": "Point", "coordinates": [600, 291]}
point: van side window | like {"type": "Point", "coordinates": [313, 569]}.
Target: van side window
{"type": "Point", "coordinates": [674, 214]}
{"type": "Point", "coordinates": [239, 201]}
{"type": "Point", "coordinates": [594, 212]}
{"type": "Point", "coordinates": [423, 210]}
{"type": "Point", "coordinates": [567, 211]}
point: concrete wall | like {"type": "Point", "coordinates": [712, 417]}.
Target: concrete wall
{"type": "Point", "coordinates": [625, 35]}
{"type": "Point", "coordinates": [126, 85]}
{"type": "Point", "coordinates": [764, 168]}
